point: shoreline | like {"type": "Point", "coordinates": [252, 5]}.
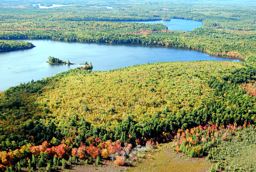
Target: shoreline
{"type": "Point", "coordinates": [111, 70]}
{"type": "Point", "coordinates": [135, 45]}
{"type": "Point", "coordinates": [20, 49]}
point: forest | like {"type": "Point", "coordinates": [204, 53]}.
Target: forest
{"type": "Point", "coordinates": [6, 46]}
{"type": "Point", "coordinates": [205, 109]}
{"type": "Point", "coordinates": [28, 119]}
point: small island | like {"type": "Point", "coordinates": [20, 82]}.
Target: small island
{"type": "Point", "coordinates": [57, 61]}
{"type": "Point", "coordinates": [87, 66]}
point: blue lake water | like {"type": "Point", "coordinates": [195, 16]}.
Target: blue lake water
{"type": "Point", "coordinates": [23, 66]}
{"type": "Point", "coordinates": [176, 24]}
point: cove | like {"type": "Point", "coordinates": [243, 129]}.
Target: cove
{"type": "Point", "coordinates": [175, 24]}
{"type": "Point", "coordinates": [23, 66]}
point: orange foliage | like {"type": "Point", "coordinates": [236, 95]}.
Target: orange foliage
{"type": "Point", "coordinates": [120, 160]}
{"type": "Point", "coordinates": [250, 88]}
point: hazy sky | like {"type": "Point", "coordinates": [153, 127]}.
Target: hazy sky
{"type": "Point", "coordinates": [129, 1]}
{"type": "Point", "coordinates": [10, 3]}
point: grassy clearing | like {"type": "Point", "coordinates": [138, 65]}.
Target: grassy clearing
{"type": "Point", "coordinates": [237, 154]}
{"type": "Point", "coordinates": [165, 158]}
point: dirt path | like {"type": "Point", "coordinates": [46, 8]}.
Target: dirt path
{"type": "Point", "coordinates": [91, 168]}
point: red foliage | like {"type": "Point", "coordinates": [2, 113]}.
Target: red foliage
{"type": "Point", "coordinates": [2, 167]}
{"type": "Point", "coordinates": [49, 151]}
{"type": "Point", "coordinates": [197, 140]}
{"type": "Point", "coordinates": [81, 151]}
{"type": "Point", "coordinates": [74, 152]}
{"type": "Point", "coordinates": [96, 148]}
{"type": "Point", "coordinates": [60, 150]}
{"type": "Point", "coordinates": [93, 151]}
{"type": "Point", "coordinates": [35, 150]}
{"type": "Point", "coordinates": [98, 140]}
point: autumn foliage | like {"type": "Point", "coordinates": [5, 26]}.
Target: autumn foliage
{"type": "Point", "coordinates": [96, 149]}
{"type": "Point", "coordinates": [250, 88]}
{"type": "Point", "coordinates": [197, 141]}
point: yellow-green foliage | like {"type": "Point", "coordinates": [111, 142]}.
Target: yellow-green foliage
{"type": "Point", "coordinates": [140, 91]}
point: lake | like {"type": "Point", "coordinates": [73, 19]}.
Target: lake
{"type": "Point", "coordinates": [175, 24]}
{"type": "Point", "coordinates": [50, 6]}
{"type": "Point", "coordinates": [23, 66]}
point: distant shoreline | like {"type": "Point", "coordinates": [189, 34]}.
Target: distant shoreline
{"type": "Point", "coordinates": [49, 6]}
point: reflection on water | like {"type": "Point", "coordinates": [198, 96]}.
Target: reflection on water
{"type": "Point", "coordinates": [175, 24]}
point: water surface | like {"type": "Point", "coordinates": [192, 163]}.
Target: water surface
{"type": "Point", "coordinates": [23, 66]}
{"type": "Point", "coordinates": [50, 6]}
{"type": "Point", "coordinates": [176, 24]}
